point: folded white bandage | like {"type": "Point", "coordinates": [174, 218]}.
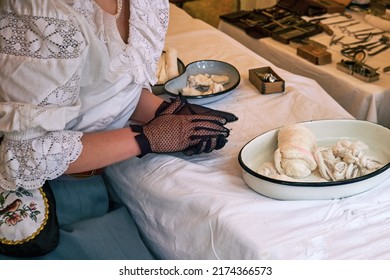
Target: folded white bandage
{"type": "Point", "coordinates": [167, 67]}
{"type": "Point", "coordinates": [378, 22]}
{"type": "Point", "coordinates": [171, 62]}
{"type": "Point", "coordinates": [294, 155]}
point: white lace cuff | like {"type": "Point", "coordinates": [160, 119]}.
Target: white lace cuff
{"type": "Point", "coordinates": [29, 163]}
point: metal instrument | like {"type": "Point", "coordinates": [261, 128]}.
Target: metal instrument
{"type": "Point", "coordinates": [334, 40]}
{"type": "Point", "coordinates": [350, 51]}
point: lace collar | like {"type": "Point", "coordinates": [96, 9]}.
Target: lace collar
{"type": "Point", "coordinates": [147, 27]}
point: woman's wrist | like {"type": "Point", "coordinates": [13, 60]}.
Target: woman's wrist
{"type": "Point", "coordinates": [147, 106]}
{"type": "Point", "coordinates": [101, 149]}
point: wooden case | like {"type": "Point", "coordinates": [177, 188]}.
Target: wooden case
{"type": "Point", "coordinates": [265, 87]}
{"type": "Point", "coordinates": [314, 54]}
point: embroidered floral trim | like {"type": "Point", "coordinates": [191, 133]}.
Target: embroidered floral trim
{"type": "Point", "coordinates": [148, 25]}
{"type": "Point", "coordinates": [23, 215]}
{"type": "Point", "coordinates": [91, 13]}
{"type": "Point", "coordinates": [147, 29]}
{"type": "Point", "coordinates": [29, 163]}
{"type": "Point", "coordinates": [39, 37]}
{"type": "Point", "coordinates": [66, 94]}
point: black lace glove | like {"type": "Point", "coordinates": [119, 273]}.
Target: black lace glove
{"type": "Point", "coordinates": [180, 106]}
{"type": "Point", "coordinates": [206, 145]}
{"type": "Point", "coordinates": [191, 134]}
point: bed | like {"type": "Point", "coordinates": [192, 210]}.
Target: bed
{"type": "Point", "coordinates": [199, 207]}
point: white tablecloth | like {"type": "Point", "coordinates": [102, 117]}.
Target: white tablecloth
{"type": "Point", "coordinates": [365, 101]}
{"type": "Point", "coordinates": [200, 208]}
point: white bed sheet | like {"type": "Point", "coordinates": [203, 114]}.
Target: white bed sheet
{"type": "Point", "coordinates": [200, 208]}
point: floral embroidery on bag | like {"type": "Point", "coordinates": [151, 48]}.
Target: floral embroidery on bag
{"type": "Point", "coordinates": [16, 211]}
{"type": "Point", "coordinates": [23, 214]}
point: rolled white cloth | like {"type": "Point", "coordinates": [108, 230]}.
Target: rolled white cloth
{"type": "Point", "coordinates": [171, 62]}
{"type": "Point", "coordinates": [167, 67]}
{"type": "Point", "coordinates": [379, 22]}
{"type": "Point", "coordinates": [294, 156]}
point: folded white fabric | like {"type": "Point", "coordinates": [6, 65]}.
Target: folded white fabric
{"type": "Point", "coordinates": [167, 67]}
{"type": "Point", "coordinates": [294, 156]}
{"type": "Point", "coordinates": [345, 160]}
{"type": "Point", "coordinates": [379, 22]}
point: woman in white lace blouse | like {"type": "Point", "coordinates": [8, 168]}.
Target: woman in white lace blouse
{"type": "Point", "coordinates": [73, 72]}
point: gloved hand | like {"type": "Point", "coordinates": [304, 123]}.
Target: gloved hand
{"type": "Point", "coordinates": [191, 134]}
{"type": "Point", "coordinates": [180, 106]}
{"type": "Point", "coordinates": [206, 145]}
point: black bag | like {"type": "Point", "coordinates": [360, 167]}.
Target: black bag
{"type": "Point", "coordinates": [28, 222]}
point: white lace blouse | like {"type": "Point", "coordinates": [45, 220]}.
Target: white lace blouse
{"type": "Point", "coordinates": [65, 70]}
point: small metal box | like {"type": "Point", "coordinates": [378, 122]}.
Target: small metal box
{"type": "Point", "coordinates": [358, 70]}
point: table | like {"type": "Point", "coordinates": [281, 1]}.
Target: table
{"type": "Point", "coordinates": [200, 208]}
{"type": "Point", "coordinates": [365, 101]}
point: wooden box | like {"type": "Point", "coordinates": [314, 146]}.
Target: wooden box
{"type": "Point", "coordinates": [257, 75]}
{"type": "Point", "coordinates": [314, 54]}
{"type": "Point", "coordinates": [330, 6]}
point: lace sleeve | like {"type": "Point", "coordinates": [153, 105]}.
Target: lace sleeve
{"type": "Point", "coordinates": [28, 163]}
{"type": "Point", "coordinates": [41, 50]}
